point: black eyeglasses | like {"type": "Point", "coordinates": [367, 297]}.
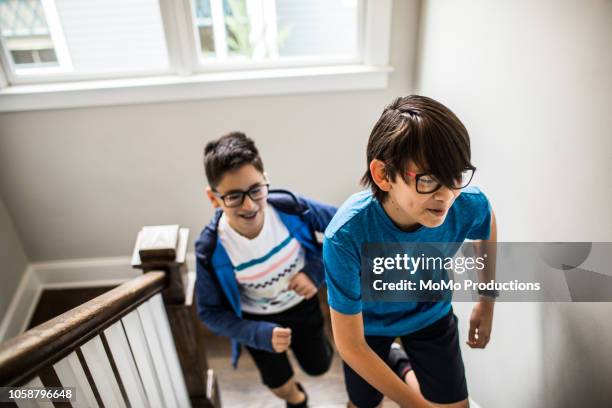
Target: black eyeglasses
{"type": "Point", "coordinates": [427, 183]}
{"type": "Point", "coordinates": [235, 198]}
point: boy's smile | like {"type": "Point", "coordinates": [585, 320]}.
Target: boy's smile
{"type": "Point", "coordinates": [249, 215]}
{"type": "Point", "coordinates": [247, 218]}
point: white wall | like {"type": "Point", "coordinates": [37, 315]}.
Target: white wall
{"type": "Point", "coordinates": [531, 81]}
{"type": "Point", "coordinates": [13, 260]}
{"type": "Point", "coordinates": [81, 182]}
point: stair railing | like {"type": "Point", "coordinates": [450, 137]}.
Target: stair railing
{"type": "Point", "coordinates": [139, 344]}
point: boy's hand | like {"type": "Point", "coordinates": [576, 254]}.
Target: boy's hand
{"type": "Point", "coordinates": [481, 323]}
{"type": "Point", "coordinates": [281, 339]}
{"type": "Point", "coordinates": [302, 285]}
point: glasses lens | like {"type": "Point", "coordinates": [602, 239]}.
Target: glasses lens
{"type": "Point", "coordinates": [466, 178]}
{"type": "Point", "coordinates": [258, 193]}
{"type": "Point", "coordinates": [427, 184]}
{"type": "Point", "coordinates": [233, 199]}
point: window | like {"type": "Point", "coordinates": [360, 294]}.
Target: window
{"type": "Point", "coordinates": [28, 38]}
{"type": "Point", "coordinates": [81, 39]}
{"type": "Point", "coordinates": [276, 30]}
{"type": "Point", "coordinates": [26, 31]}
{"type": "Point", "coordinates": [161, 42]}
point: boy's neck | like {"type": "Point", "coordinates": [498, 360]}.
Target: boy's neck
{"type": "Point", "coordinates": [399, 219]}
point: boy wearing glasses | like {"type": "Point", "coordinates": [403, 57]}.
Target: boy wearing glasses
{"type": "Point", "coordinates": [418, 157]}
{"type": "Point", "coordinates": [259, 267]}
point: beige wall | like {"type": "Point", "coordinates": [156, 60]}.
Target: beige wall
{"type": "Point", "coordinates": [81, 182]}
{"type": "Point", "coordinates": [531, 81]}
{"type": "Point", "coordinates": [13, 260]}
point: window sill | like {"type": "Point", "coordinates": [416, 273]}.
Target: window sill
{"type": "Point", "coordinates": [199, 86]}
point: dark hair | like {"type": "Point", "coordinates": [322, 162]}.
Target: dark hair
{"type": "Point", "coordinates": [229, 152]}
{"type": "Point", "coordinates": [423, 130]}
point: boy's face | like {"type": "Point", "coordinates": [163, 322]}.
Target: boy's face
{"type": "Point", "coordinates": [408, 207]}
{"type": "Point", "coordinates": [248, 218]}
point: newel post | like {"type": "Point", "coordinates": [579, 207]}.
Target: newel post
{"type": "Point", "coordinates": [164, 248]}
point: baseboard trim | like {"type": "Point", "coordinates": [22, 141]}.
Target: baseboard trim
{"type": "Point", "coordinates": [22, 305]}
{"type": "Point", "coordinates": [89, 272]}
{"type": "Point", "coordinates": [65, 274]}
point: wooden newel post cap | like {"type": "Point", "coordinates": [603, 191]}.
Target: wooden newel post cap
{"type": "Point", "coordinates": [160, 247]}
{"type": "Point", "coordinates": [164, 247]}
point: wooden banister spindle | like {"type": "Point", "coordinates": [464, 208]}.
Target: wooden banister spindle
{"type": "Point", "coordinates": [164, 248]}
{"type": "Point", "coordinates": [102, 373]}
{"type": "Point", "coordinates": [142, 357]}
{"type": "Point", "coordinates": [71, 374]}
{"type": "Point", "coordinates": [126, 366]}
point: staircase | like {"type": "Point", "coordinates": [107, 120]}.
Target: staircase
{"type": "Point", "coordinates": [138, 344]}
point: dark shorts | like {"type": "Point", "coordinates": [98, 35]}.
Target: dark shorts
{"type": "Point", "coordinates": [435, 357]}
{"type": "Point", "coordinates": [309, 343]}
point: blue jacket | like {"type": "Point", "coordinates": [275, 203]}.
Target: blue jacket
{"type": "Point", "coordinates": [218, 298]}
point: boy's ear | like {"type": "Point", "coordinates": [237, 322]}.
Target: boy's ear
{"type": "Point", "coordinates": [214, 200]}
{"type": "Point", "coordinates": [379, 175]}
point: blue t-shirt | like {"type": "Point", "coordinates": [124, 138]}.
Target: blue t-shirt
{"type": "Point", "coordinates": [362, 219]}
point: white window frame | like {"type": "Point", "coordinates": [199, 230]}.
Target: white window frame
{"type": "Point", "coordinates": [222, 63]}
{"type": "Point", "coordinates": [15, 74]}
{"type": "Point", "coordinates": [63, 73]}
{"type": "Point", "coordinates": [188, 78]}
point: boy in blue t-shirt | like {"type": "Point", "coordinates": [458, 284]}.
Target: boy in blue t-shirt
{"type": "Point", "coordinates": [419, 167]}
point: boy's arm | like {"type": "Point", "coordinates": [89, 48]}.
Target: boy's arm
{"type": "Point", "coordinates": [223, 321]}
{"type": "Point", "coordinates": [351, 344]}
{"type": "Point", "coordinates": [313, 269]}
{"type": "Point", "coordinates": [481, 319]}
{"type": "Point", "coordinates": [317, 214]}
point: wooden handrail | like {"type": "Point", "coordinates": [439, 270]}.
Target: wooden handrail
{"type": "Point", "coordinates": [160, 253]}
{"type": "Point", "coordinates": [23, 356]}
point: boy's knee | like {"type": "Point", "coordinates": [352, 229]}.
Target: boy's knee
{"type": "Point", "coordinates": [322, 366]}
{"type": "Point", "coordinates": [317, 370]}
